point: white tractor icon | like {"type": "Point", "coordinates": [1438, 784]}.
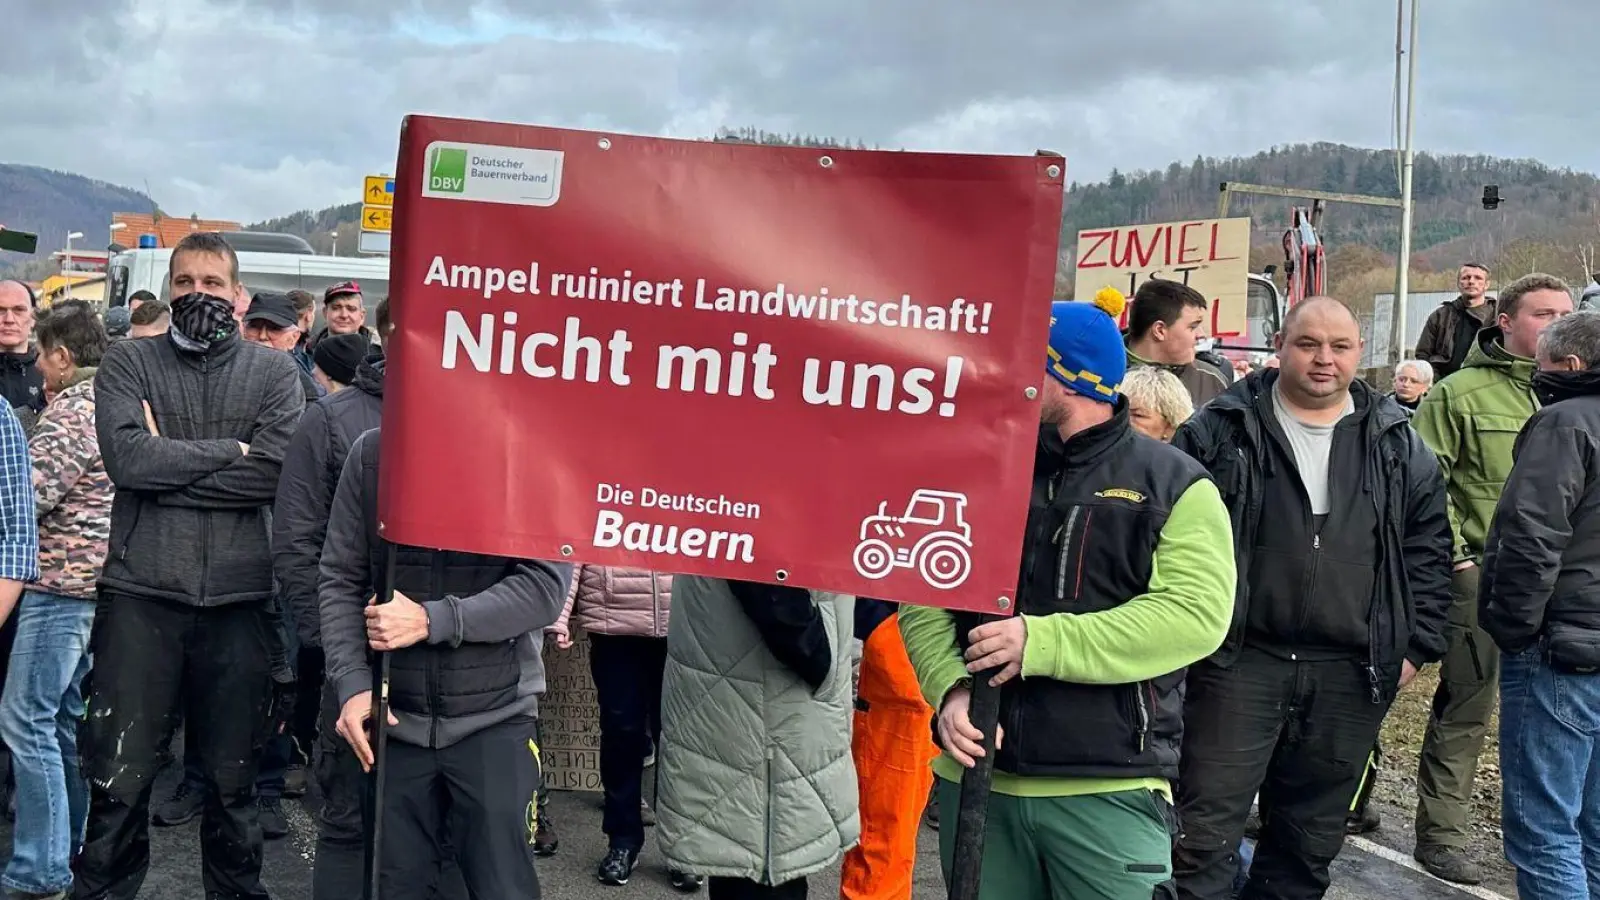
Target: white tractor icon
{"type": "Point", "coordinates": [933, 537]}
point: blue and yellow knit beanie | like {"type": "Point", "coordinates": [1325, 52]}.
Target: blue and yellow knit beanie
{"type": "Point", "coordinates": [1086, 352]}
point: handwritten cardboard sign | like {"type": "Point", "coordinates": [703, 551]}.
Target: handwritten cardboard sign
{"type": "Point", "coordinates": [1210, 255]}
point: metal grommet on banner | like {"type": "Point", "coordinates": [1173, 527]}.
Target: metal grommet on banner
{"type": "Point", "coordinates": [826, 162]}
{"type": "Point", "coordinates": [605, 143]}
{"type": "Point", "coordinates": [783, 575]}
{"type": "Point", "coordinates": [1030, 392]}
{"type": "Point", "coordinates": [1004, 603]}
{"type": "Point", "coordinates": [566, 549]}
{"type": "Point", "coordinates": [1053, 171]}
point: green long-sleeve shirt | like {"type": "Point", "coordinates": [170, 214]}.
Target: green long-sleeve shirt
{"type": "Point", "coordinates": [1182, 618]}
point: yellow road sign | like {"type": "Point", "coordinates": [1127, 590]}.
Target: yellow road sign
{"type": "Point", "coordinates": [378, 191]}
{"type": "Point", "coordinates": [376, 218]}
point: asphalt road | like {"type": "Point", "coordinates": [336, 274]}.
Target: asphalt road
{"type": "Point", "coordinates": [569, 875]}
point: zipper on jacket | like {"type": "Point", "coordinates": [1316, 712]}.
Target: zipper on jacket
{"type": "Point", "coordinates": [1064, 538]}
{"type": "Point", "coordinates": [1308, 594]}
{"type": "Point", "coordinates": [766, 854]}
{"type": "Point", "coordinates": [205, 519]}
{"type": "Point", "coordinates": [435, 592]}
{"type": "Point", "coordinates": [655, 604]}
{"type": "Point", "coordinates": [1374, 683]}
{"type": "Point", "coordinates": [1143, 732]}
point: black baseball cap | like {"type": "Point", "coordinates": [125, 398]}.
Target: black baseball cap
{"type": "Point", "coordinates": [271, 306]}
{"type": "Point", "coordinates": [118, 322]}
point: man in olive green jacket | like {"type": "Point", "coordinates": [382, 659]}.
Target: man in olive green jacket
{"type": "Point", "coordinates": [1470, 420]}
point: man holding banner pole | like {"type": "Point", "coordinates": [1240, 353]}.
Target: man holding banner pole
{"type": "Point", "coordinates": [458, 638]}
{"type": "Point", "coordinates": [1127, 577]}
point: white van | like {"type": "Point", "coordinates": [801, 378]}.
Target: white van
{"type": "Point", "coordinates": [146, 269]}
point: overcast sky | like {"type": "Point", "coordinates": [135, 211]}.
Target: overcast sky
{"type": "Point", "coordinates": [253, 108]}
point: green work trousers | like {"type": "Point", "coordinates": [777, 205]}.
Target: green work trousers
{"type": "Point", "coordinates": [1468, 679]}
{"type": "Point", "coordinates": [1102, 846]}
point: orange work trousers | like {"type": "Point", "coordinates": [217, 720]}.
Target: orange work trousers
{"type": "Point", "coordinates": [893, 749]}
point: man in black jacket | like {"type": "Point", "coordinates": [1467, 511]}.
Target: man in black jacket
{"type": "Point", "coordinates": [1344, 566]}
{"type": "Point", "coordinates": [1540, 600]}
{"type": "Point", "coordinates": [193, 427]}
{"type": "Point", "coordinates": [21, 385]}
{"type": "Point", "coordinates": [311, 472]}
{"type": "Point", "coordinates": [461, 629]}
{"type": "Point", "coordinates": [1453, 328]}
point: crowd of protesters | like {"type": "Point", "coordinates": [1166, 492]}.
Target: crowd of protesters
{"type": "Point", "coordinates": [1229, 573]}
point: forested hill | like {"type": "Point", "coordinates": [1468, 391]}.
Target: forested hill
{"type": "Point", "coordinates": [1541, 202]}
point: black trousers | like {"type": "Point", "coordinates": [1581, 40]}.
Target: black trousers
{"type": "Point", "coordinates": [484, 787]}
{"type": "Point", "coordinates": [628, 672]}
{"type": "Point", "coordinates": [339, 872]}
{"type": "Point", "coordinates": [151, 657]}
{"type": "Point", "coordinates": [1297, 732]}
{"type": "Point", "coordinates": [741, 889]}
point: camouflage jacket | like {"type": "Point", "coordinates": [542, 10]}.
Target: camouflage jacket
{"type": "Point", "coordinates": [71, 491]}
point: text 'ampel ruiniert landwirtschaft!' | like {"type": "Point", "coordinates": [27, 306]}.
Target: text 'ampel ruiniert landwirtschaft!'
{"type": "Point", "coordinates": [821, 305]}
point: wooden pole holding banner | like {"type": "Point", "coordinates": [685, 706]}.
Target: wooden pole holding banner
{"type": "Point", "coordinates": [380, 744]}
{"type": "Point", "coordinates": [972, 817]}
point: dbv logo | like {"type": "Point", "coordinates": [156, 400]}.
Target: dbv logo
{"type": "Point", "coordinates": [447, 169]}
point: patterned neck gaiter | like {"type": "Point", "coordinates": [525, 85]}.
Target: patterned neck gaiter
{"type": "Point", "coordinates": [200, 320]}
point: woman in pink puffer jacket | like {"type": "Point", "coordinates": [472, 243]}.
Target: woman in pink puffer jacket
{"type": "Point", "coordinates": [624, 612]}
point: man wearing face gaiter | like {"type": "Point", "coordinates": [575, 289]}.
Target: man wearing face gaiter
{"type": "Point", "coordinates": [193, 426]}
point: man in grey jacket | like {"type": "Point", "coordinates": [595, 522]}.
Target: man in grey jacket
{"type": "Point", "coordinates": [192, 427]}
{"type": "Point", "coordinates": [463, 689]}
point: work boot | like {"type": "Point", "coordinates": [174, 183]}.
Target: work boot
{"type": "Point", "coordinates": [684, 881]}
{"type": "Point", "coordinates": [930, 816]}
{"type": "Point", "coordinates": [294, 781]}
{"type": "Point", "coordinates": [274, 824]}
{"type": "Point", "coordinates": [184, 804]}
{"type": "Point", "coordinates": [1366, 822]}
{"type": "Point", "coordinates": [617, 867]}
{"type": "Point", "coordinates": [545, 842]}
{"type": "Point", "coordinates": [1451, 864]}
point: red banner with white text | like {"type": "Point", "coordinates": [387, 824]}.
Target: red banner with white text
{"type": "Point", "coordinates": [807, 366]}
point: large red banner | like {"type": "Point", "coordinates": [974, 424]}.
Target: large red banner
{"type": "Point", "coordinates": [807, 366]}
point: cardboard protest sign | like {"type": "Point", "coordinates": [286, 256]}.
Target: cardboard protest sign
{"type": "Point", "coordinates": [1210, 255]}
{"type": "Point", "coordinates": [777, 364]}
{"type": "Point", "coordinates": [569, 718]}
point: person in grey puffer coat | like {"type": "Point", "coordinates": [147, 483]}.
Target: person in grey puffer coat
{"type": "Point", "coordinates": [463, 689]}
{"type": "Point", "coordinates": [757, 785]}
{"type": "Point", "coordinates": [625, 613]}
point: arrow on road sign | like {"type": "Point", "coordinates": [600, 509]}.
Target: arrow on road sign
{"type": "Point", "coordinates": [376, 218]}
{"type": "Point", "coordinates": [378, 191]}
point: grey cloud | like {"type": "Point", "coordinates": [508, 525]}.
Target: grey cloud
{"type": "Point", "coordinates": [254, 108]}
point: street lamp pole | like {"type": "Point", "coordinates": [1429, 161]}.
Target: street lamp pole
{"type": "Point", "coordinates": [1402, 282]}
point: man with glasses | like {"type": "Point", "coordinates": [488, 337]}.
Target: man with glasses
{"type": "Point", "coordinates": [272, 321]}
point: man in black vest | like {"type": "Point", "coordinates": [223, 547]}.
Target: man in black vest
{"type": "Point", "coordinates": [1126, 578]}
{"type": "Point", "coordinates": [461, 628]}
{"type": "Point", "coordinates": [1344, 559]}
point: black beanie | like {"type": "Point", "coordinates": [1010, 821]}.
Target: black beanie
{"type": "Point", "coordinates": [338, 355]}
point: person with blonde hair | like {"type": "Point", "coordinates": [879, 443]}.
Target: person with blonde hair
{"type": "Point", "coordinates": [1157, 401]}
